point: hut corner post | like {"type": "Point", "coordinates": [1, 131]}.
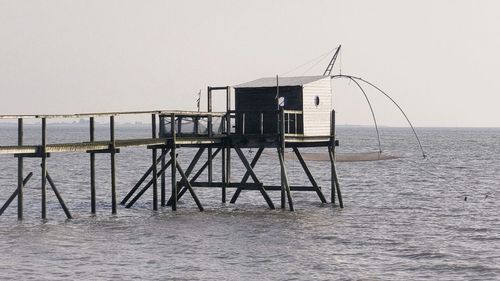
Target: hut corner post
{"type": "Point", "coordinates": [335, 186]}
{"type": "Point", "coordinates": [20, 171]}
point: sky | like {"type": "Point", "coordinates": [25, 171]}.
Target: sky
{"type": "Point", "coordinates": [438, 59]}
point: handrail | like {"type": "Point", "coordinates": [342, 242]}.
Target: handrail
{"type": "Point", "coordinates": [110, 113]}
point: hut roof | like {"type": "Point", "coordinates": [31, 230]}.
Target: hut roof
{"type": "Point", "coordinates": [283, 81]}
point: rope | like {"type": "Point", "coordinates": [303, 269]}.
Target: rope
{"type": "Point", "coordinates": [320, 57]}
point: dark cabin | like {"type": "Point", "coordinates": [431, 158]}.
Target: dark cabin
{"type": "Point", "coordinates": [306, 101]}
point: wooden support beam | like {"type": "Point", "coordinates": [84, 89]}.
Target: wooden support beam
{"type": "Point", "coordinates": [334, 178]}
{"type": "Point", "coordinates": [335, 186]}
{"type": "Point", "coordinates": [281, 148]}
{"type": "Point", "coordinates": [284, 178]}
{"type": "Point", "coordinates": [223, 175]}
{"type": "Point", "coordinates": [309, 175]}
{"type": "Point", "coordinates": [163, 183]}
{"type": "Point", "coordinates": [148, 185]}
{"type": "Point", "coordinates": [247, 174]}
{"type": "Point", "coordinates": [195, 177]}
{"type": "Point", "coordinates": [188, 186]}
{"type": "Point", "coordinates": [146, 174]}
{"type": "Point", "coordinates": [254, 177]}
{"type": "Point", "coordinates": [59, 197]}
{"type": "Point", "coordinates": [113, 163]}
{"type": "Point", "coordinates": [92, 169]}
{"type": "Point", "coordinates": [173, 160]}
{"type": "Point", "coordinates": [20, 184]}
{"type": "Point", "coordinates": [15, 193]}
{"type": "Point", "coordinates": [252, 186]}
{"type": "Point", "coordinates": [210, 164]}
{"type": "Point", "coordinates": [154, 164]}
{"type": "Point", "coordinates": [44, 168]}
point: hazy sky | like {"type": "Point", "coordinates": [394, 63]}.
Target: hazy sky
{"type": "Point", "coordinates": [438, 59]}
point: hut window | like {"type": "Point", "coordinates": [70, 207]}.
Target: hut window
{"type": "Point", "coordinates": [316, 101]}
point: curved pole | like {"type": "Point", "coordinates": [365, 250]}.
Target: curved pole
{"type": "Point", "coordinates": [392, 100]}
{"type": "Point", "coordinates": [373, 113]}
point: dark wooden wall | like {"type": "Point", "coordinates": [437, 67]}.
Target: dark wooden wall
{"type": "Point", "coordinates": [263, 99]}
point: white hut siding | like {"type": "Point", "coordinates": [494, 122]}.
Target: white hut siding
{"type": "Point", "coordinates": [317, 118]}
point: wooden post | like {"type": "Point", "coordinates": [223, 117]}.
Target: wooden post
{"type": "Point", "coordinates": [228, 140]}
{"type": "Point", "coordinates": [173, 163]}
{"type": "Point", "coordinates": [20, 171]}
{"type": "Point", "coordinates": [113, 163]}
{"type": "Point", "coordinates": [44, 168]}
{"type": "Point", "coordinates": [163, 180]}
{"type": "Point", "coordinates": [223, 174]}
{"type": "Point", "coordinates": [163, 152]}
{"type": "Point", "coordinates": [92, 169]}
{"type": "Point", "coordinates": [281, 148]}
{"type": "Point", "coordinates": [335, 186]}
{"type": "Point", "coordinates": [285, 182]}
{"type": "Point", "coordinates": [154, 164]}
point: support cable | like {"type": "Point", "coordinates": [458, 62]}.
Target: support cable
{"type": "Point", "coordinates": [320, 58]}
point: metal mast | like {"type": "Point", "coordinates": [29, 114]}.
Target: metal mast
{"type": "Point", "coordinates": [329, 68]}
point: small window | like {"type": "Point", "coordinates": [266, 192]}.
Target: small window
{"type": "Point", "coordinates": [316, 101]}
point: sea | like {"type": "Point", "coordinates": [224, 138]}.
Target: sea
{"type": "Point", "coordinates": [409, 218]}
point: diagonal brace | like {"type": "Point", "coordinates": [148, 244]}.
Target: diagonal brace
{"type": "Point", "coordinates": [247, 175]}
{"type": "Point", "coordinates": [15, 193]}
{"type": "Point", "coordinates": [309, 175]}
{"type": "Point", "coordinates": [254, 177]}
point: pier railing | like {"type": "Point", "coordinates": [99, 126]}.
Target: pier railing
{"type": "Point", "coordinates": [267, 122]}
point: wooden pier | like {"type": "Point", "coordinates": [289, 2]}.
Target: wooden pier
{"type": "Point", "coordinates": [214, 133]}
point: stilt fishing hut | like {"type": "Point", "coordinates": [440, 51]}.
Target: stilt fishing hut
{"type": "Point", "coordinates": [269, 113]}
{"type": "Point", "coordinates": [286, 113]}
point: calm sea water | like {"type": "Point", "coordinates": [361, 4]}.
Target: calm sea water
{"type": "Point", "coordinates": [404, 219]}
